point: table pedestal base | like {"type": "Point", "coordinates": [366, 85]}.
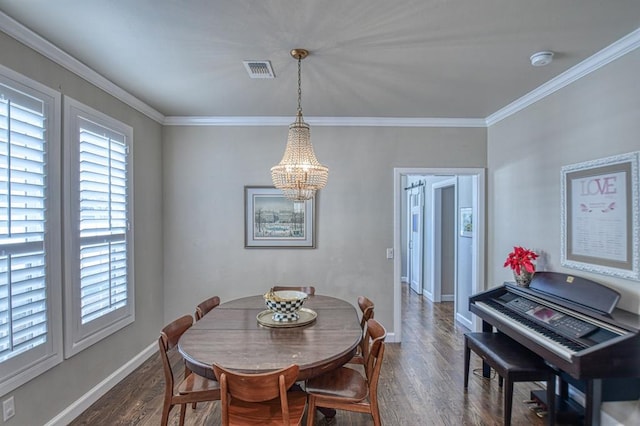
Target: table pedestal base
{"type": "Point", "coordinates": [328, 413]}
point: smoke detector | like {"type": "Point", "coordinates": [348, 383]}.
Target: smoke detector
{"type": "Point", "coordinates": [259, 69]}
{"type": "Point", "coordinates": [541, 59]}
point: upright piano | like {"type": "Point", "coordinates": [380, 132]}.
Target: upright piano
{"type": "Point", "coordinates": [572, 323]}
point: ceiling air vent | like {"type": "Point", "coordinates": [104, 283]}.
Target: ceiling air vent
{"type": "Point", "coordinates": [259, 69]}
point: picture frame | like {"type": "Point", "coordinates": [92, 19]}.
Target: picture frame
{"type": "Point", "coordinates": [273, 221]}
{"type": "Point", "coordinates": [466, 222]}
{"type": "Point", "coordinates": [600, 229]}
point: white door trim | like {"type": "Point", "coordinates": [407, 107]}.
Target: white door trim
{"type": "Point", "coordinates": [478, 265]}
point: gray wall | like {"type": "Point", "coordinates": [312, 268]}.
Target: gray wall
{"type": "Point", "coordinates": [206, 168]}
{"type": "Point", "coordinates": [595, 117]}
{"type": "Point", "coordinates": [44, 397]}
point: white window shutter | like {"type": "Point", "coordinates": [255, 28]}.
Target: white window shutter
{"type": "Point", "coordinates": [29, 230]}
{"type": "Point", "coordinates": [23, 307]}
{"type": "Point", "coordinates": [100, 293]}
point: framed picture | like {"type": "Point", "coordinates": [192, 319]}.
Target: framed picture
{"type": "Point", "coordinates": [466, 222]}
{"type": "Point", "coordinates": [273, 221]}
{"type": "Point", "coordinates": [599, 216]}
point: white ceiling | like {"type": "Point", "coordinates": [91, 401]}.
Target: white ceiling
{"type": "Point", "coordinates": [369, 58]}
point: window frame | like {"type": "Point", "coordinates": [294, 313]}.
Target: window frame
{"type": "Point", "coordinates": [78, 336]}
{"type": "Point", "coordinates": [18, 370]}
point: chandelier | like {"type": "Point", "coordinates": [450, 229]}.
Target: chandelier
{"type": "Point", "coordinates": [299, 174]}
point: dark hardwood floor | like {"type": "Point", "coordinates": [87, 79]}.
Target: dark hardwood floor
{"type": "Point", "coordinates": [421, 383]}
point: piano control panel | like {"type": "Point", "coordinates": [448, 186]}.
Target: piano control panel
{"type": "Point", "coordinates": [563, 324]}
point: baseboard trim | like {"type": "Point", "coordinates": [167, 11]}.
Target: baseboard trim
{"type": "Point", "coordinates": [447, 298]}
{"type": "Point", "coordinates": [464, 321]}
{"type": "Point", "coordinates": [67, 415]}
{"type": "Point", "coordinates": [606, 419]}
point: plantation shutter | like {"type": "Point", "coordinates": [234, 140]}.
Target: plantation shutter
{"type": "Point", "coordinates": [23, 179]}
{"type": "Point", "coordinates": [103, 220]}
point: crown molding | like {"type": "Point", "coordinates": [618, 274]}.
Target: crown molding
{"type": "Point", "coordinates": [609, 54]}
{"type": "Point", "coordinates": [27, 37]}
{"type": "Point", "coordinates": [326, 121]}
{"type": "Point", "coordinates": [226, 121]}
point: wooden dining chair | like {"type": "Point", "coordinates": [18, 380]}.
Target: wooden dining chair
{"type": "Point", "coordinates": [346, 388]}
{"type": "Point", "coordinates": [193, 388]}
{"type": "Point", "coordinates": [263, 398]}
{"type": "Point", "coordinates": [310, 290]}
{"type": "Point", "coordinates": [204, 307]}
{"type": "Point", "coordinates": [367, 308]}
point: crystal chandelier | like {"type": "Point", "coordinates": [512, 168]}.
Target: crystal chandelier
{"type": "Point", "coordinates": [299, 174]}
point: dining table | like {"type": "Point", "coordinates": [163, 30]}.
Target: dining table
{"type": "Point", "coordinates": [232, 336]}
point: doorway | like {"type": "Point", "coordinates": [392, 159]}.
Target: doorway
{"type": "Point", "coordinates": [474, 179]}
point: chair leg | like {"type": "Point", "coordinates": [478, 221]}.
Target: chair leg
{"type": "Point", "coordinates": [467, 356]}
{"type": "Point", "coordinates": [166, 408]}
{"type": "Point", "coordinates": [311, 410]}
{"type": "Point", "coordinates": [375, 410]}
{"type": "Point", "coordinates": [508, 401]}
{"type": "Point", "coordinates": [375, 413]}
{"type": "Point", "coordinates": [183, 409]}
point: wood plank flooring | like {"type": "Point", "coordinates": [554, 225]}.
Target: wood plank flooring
{"type": "Point", "coordinates": [421, 383]}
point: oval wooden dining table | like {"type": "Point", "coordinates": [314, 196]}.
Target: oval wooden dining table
{"type": "Point", "coordinates": [231, 336]}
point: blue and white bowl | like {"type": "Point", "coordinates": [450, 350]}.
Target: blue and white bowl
{"type": "Point", "coordinates": [285, 304]}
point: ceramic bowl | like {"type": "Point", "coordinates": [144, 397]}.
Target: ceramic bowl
{"type": "Point", "coordinates": [285, 304]}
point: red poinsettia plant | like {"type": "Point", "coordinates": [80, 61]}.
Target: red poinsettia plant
{"type": "Point", "coordinates": [521, 259]}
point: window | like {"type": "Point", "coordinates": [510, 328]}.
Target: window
{"type": "Point", "coordinates": [30, 243]}
{"type": "Point", "coordinates": [98, 257]}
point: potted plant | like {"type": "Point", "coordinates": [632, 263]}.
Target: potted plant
{"type": "Point", "coordinates": [520, 260]}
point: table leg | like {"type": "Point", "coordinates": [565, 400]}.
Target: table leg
{"type": "Point", "coordinates": [328, 413]}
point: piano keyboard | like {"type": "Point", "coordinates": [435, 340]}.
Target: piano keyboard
{"type": "Point", "coordinates": [551, 340]}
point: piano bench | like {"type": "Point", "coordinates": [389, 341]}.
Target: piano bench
{"type": "Point", "coordinates": [513, 363]}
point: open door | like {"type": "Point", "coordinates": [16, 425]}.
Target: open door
{"type": "Point", "coordinates": [416, 237]}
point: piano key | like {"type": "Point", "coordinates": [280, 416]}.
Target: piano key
{"type": "Point", "coordinates": [520, 324]}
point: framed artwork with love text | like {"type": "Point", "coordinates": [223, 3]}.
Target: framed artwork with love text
{"type": "Point", "coordinates": [599, 216]}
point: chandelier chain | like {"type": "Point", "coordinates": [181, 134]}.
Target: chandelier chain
{"type": "Point", "coordinates": [299, 84]}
